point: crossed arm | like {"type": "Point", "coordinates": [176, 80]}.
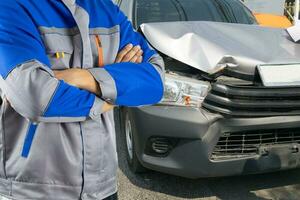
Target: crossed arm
{"type": "Point", "coordinates": [40, 94]}
{"type": "Point", "coordinates": [83, 79]}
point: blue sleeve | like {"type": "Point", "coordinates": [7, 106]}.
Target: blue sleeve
{"type": "Point", "coordinates": [69, 101]}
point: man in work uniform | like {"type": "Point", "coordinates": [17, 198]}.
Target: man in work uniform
{"type": "Point", "coordinates": [63, 66]}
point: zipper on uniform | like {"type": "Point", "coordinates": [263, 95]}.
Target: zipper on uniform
{"type": "Point", "coordinates": [100, 51]}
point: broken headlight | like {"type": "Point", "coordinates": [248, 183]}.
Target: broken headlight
{"type": "Point", "coordinates": [183, 91]}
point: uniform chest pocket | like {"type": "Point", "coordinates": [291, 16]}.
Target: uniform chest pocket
{"type": "Point", "coordinates": [104, 44]}
{"type": "Point", "coordinates": [59, 49]}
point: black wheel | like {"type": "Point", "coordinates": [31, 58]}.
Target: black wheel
{"type": "Point", "coordinates": [128, 130]}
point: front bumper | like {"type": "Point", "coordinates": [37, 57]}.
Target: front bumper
{"type": "Point", "coordinates": [198, 132]}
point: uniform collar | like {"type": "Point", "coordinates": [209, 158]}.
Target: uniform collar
{"type": "Point", "coordinates": [69, 2]}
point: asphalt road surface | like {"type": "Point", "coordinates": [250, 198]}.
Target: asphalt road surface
{"type": "Point", "coordinates": [283, 185]}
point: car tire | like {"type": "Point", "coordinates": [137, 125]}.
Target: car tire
{"type": "Point", "coordinates": [128, 130]}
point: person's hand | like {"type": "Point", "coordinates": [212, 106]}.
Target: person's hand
{"type": "Point", "coordinates": [130, 53]}
{"type": "Point", "coordinates": [80, 78]}
{"type": "Point", "coordinates": [107, 107]}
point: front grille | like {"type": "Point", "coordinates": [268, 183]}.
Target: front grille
{"type": "Point", "coordinates": [248, 143]}
{"type": "Point", "coordinates": [252, 101]}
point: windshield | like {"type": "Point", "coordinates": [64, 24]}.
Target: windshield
{"type": "Point", "coordinates": [231, 11]}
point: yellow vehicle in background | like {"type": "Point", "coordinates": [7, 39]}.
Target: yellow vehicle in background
{"type": "Point", "coordinates": [271, 20]}
{"type": "Point", "coordinates": [275, 13]}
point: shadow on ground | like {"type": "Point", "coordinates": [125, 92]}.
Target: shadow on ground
{"type": "Point", "coordinates": [280, 185]}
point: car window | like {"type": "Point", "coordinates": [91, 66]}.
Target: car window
{"type": "Point", "coordinates": [232, 11]}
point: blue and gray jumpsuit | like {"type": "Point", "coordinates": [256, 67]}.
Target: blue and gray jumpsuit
{"type": "Point", "coordinates": [55, 143]}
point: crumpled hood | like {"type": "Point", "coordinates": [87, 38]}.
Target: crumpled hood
{"type": "Point", "coordinates": [211, 46]}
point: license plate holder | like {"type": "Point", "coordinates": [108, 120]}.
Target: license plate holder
{"type": "Point", "coordinates": [280, 75]}
{"type": "Point", "coordinates": [280, 156]}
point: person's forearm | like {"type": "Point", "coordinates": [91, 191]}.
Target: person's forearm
{"type": "Point", "coordinates": [80, 78]}
{"type": "Point", "coordinates": [89, 83]}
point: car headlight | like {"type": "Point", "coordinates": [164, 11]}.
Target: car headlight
{"type": "Point", "coordinates": [183, 91]}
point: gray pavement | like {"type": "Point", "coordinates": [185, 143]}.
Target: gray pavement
{"type": "Point", "coordinates": [283, 185]}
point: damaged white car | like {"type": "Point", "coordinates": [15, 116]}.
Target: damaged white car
{"type": "Point", "coordinates": [232, 92]}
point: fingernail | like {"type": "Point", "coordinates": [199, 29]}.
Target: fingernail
{"type": "Point", "coordinates": [138, 46]}
{"type": "Point", "coordinates": [130, 45]}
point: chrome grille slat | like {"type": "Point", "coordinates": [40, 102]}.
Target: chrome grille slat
{"type": "Point", "coordinates": [248, 143]}
{"type": "Point", "coordinates": [250, 100]}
